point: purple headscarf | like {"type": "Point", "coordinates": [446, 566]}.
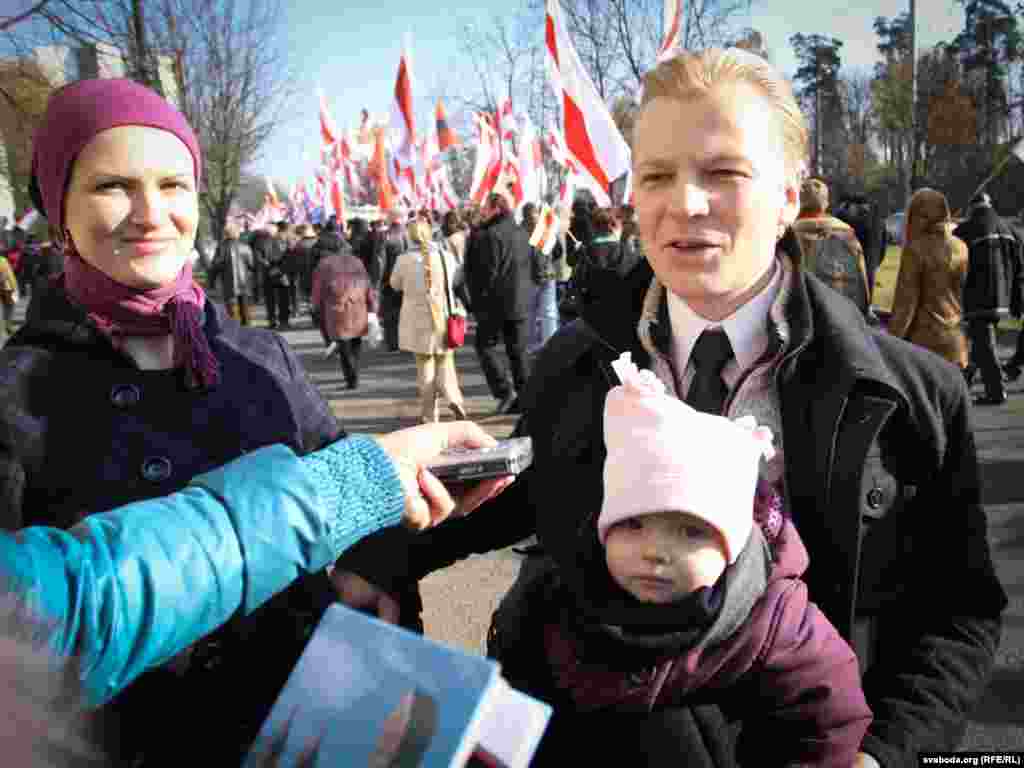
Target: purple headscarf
{"type": "Point", "coordinates": [74, 116]}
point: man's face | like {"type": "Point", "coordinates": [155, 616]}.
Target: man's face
{"type": "Point", "coordinates": [711, 195]}
{"type": "Point", "coordinates": [665, 556]}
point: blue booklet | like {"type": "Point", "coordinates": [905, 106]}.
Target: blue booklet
{"type": "Point", "coordinates": [368, 693]}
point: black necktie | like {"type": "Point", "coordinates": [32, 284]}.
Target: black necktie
{"type": "Point", "coordinates": [710, 354]}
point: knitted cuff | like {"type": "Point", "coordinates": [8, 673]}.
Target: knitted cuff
{"type": "Point", "coordinates": [358, 487]}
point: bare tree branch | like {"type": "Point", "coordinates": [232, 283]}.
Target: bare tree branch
{"type": "Point", "coordinates": [9, 21]}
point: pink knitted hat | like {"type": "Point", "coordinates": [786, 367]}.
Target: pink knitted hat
{"type": "Point", "coordinates": [663, 455]}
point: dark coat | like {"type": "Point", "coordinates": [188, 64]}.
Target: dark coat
{"type": "Point", "coordinates": [605, 264]}
{"type": "Point", "coordinates": [233, 267]}
{"type": "Point", "coordinates": [994, 265]}
{"type": "Point", "coordinates": [499, 269]}
{"type": "Point", "coordinates": [881, 478]}
{"type": "Point", "coordinates": [83, 429]}
{"type": "Point", "coordinates": [784, 649]}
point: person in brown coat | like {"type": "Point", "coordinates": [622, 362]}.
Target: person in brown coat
{"type": "Point", "coordinates": [927, 307]}
{"type": "Point", "coordinates": [343, 299]}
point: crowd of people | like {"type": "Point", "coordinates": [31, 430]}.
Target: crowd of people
{"type": "Point", "coordinates": [736, 478]}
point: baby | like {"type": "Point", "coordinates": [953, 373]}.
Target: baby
{"type": "Point", "coordinates": [698, 554]}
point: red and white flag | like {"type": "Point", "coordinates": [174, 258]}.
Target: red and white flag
{"type": "Point", "coordinates": [506, 122]}
{"type": "Point", "coordinates": [513, 181]}
{"type": "Point", "coordinates": [487, 168]}
{"type": "Point", "coordinates": [378, 168]}
{"type": "Point", "coordinates": [591, 136]}
{"type": "Point", "coordinates": [545, 231]}
{"type": "Point", "coordinates": [531, 163]}
{"type": "Point", "coordinates": [673, 30]}
{"type": "Point", "coordinates": [338, 196]}
{"type": "Point", "coordinates": [328, 128]}
{"type": "Point", "coordinates": [403, 117]}
{"type": "Point", "coordinates": [567, 189]}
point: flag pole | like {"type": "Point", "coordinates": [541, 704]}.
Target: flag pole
{"type": "Point", "coordinates": [996, 172]}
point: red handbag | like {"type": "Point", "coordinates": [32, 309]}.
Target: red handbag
{"type": "Point", "coordinates": [456, 331]}
{"type": "Point", "coordinates": [456, 323]}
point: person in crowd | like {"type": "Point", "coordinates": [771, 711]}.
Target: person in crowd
{"type": "Point", "coordinates": [64, 589]}
{"type": "Point", "coordinates": [455, 237]}
{"type": "Point", "coordinates": [498, 268]}
{"type": "Point", "coordinates": [233, 267]}
{"type": "Point", "coordinates": [265, 246]}
{"type": "Point", "coordinates": [343, 299]}
{"type": "Point", "coordinates": [862, 216]}
{"type": "Point", "coordinates": [369, 248]}
{"type": "Point", "coordinates": [686, 537]}
{"type": "Point", "coordinates": [288, 234]}
{"type": "Point", "coordinates": [49, 264]}
{"type": "Point", "coordinates": [303, 256]}
{"type": "Point", "coordinates": [1015, 364]}
{"type": "Point", "coordinates": [395, 244]}
{"type": "Point", "coordinates": [543, 314]}
{"type": "Point", "coordinates": [607, 260]}
{"type": "Point", "coordinates": [8, 298]}
{"type": "Point", "coordinates": [166, 387]}
{"type": "Point", "coordinates": [872, 434]}
{"type": "Point", "coordinates": [830, 248]}
{"type": "Point", "coordinates": [993, 283]}
{"type": "Point", "coordinates": [581, 226]}
{"type": "Point", "coordinates": [927, 306]}
{"type": "Point", "coordinates": [426, 276]}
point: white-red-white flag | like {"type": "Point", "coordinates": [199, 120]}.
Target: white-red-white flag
{"type": "Point", "coordinates": [328, 128]}
{"type": "Point", "coordinates": [506, 122]}
{"type": "Point", "coordinates": [673, 10]}
{"type": "Point", "coordinates": [591, 136]}
{"type": "Point", "coordinates": [531, 162]}
{"type": "Point", "coordinates": [545, 231]}
{"type": "Point", "coordinates": [338, 195]}
{"type": "Point", "coordinates": [487, 167]}
{"type": "Point", "coordinates": [403, 117]}
{"type": "Point", "coordinates": [567, 189]}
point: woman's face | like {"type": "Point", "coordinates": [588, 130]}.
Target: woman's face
{"type": "Point", "coordinates": [132, 206]}
{"type": "Point", "coordinates": [710, 193]}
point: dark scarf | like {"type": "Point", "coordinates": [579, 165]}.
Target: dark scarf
{"type": "Point", "coordinates": [119, 311]}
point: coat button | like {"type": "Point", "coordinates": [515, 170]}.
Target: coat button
{"type": "Point", "coordinates": [125, 395]}
{"type": "Point", "coordinates": [875, 497]}
{"type": "Point", "coordinates": [156, 469]}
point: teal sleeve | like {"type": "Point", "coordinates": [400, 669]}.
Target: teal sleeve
{"type": "Point", "coordinates": [125, 590]}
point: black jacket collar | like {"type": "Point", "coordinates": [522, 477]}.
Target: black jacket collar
{"type": "Point", "coordinates": [818, 319]}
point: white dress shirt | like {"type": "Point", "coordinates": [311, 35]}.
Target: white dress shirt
{"type": "Point", "coordinates": [746, 329]}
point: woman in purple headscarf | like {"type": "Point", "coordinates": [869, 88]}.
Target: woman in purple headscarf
{"type": "Point", "coordinates": [126, 382]}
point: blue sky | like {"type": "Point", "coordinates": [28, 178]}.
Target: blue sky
{"type": "Point", "coordinates": [353, 53]}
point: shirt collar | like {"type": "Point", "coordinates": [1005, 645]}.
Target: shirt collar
{"type": "Point", "coordinates": [746, 327]}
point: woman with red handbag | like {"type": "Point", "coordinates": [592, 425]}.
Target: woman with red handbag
{"type": "Point", "coordinates": [430, 324]}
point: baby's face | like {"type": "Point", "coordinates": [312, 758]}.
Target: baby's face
{"type": "Point", "coordinates": [662, 557]}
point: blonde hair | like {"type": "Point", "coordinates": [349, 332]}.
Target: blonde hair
{"type": "Point", "coordinates": [232, 231]}
{"type": "Point", "coordinates": [696, 73]}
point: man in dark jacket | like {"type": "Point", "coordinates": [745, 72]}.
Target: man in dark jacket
{"type": "Point", "coordinates": [268, 259]}
{"type": "Point", "coordinates": [395, 244]}
{"type": "Point", "coordinates": [498, 273]}
{"type": "Point", "coordinates": [993, 273]}
{"type": "Point", "coordinates": [877, 466]}
{"type": "Point", "coordinates": [877, 437]}
{"type": "Point", "coordinates": [1016, 363]}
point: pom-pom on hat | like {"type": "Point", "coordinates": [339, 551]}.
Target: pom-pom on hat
{"type": "Point", "coordinates": [664, 455]}
{"type": "Point", "coordinates": [77, 112]}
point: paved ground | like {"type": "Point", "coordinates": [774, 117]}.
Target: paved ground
{"type": "Point", "coordinates": [460, 599]}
